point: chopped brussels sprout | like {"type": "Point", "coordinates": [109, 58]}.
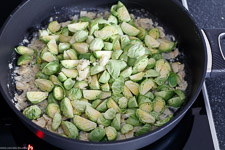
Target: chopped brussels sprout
{"type": "Point", "coordinates": [126, 128]}
{"type": "Point", "coordinates": [70, 64]}
{"type": "Point", "coordinates": [106, 32]}
{"type": "Point", "coordinates": [180, 94]}
{"type": "Point", "coordinates": [108, 46]}
{"type": "Point", "coordinates": [105, 87]}
{"type": "Point", "coordinates": [51, 99]}
{"type": "Point", "coordinates": [145, 86]}
{"type": "Point", "coordinates": [84, 124]}
{"type": "Point", "coordinates": [154, 33]}
{"type": "Point", "coordinates": [151, 73]}
{"type": "Point", "coordinates": [145, 129]}
{"type": "Point", "coordinates": [97, 69]}
{"type": "Point", "coordinates": [105, 95]}
{"type": "Point", "coordinates": [92, 114]}
{"type": "Point", "coordinates": [151, 42]}
{"type": "Point", "coordinates": [68, 84]}
{"type": "Point", "coordinates": [123, 102]}
{"type": "Point", "coordinates": [158, 105]}
{"type": "Point", "coordinates": [24, 60]}
{"type": "Point", "coordinates": [133, 120]}
{"type": "Point", "coordinates": [81, 48]}
{"type": "Point", "coordinates": [104, 77]}
{"type": "Point", "coordinates": [32, 112]}
{"type": "Point", "coordinates": [44, 85]}
{"type": "Point", "coordinates": [142, 33]}
{"type": "Point", "coordinates": [70, 129]}
{"type": "Point", "coordinates": [51, 68]}
{"type": "Point", "coordinates": [144, 116]}
{"type": "Point", "coordinates": [55, 80]}
{"type": "Point", "coordinates": [129, 29]}
{"type": "Point", "coordinates": [56, 121]}
{"type": "Point", "coordinates": [136, 50]}
{"type": "Point", "coordinates": [70, 54]}
{"type": "Point", "coordinates": [172, 80]}
{"type": "Point", "coordinates": [62, 77]}
{"type": "Point", "coordinates": [112, 104]}
{"type": "Point", "coordinates": [125, 41]}
{"type": "Point", "coordinates": [52, 109]}
{"type": "Point", "coordinates": [23, 50]}
{"type": "Point", "coordinates": [112, 19]}
{"type": "Point", "coordinates": [94, 84]}
{"type": "Point", "coordinates": [96, 135]}
{"type": "Point", "coordinates": [66, 108]}
{"type": "Point", "coordinates": [80, 36]}
{"type": "Point", "coordinates": [143, 99]}
{"type": "Point", "coordinates": [116, 122]}
{"type": "Point", "coordinates": [123, 14]}
{"type": "Point", "coordinates": [54, 26]}
{"type": "Point", "coordinates": [116, 54]}
{"type": "Point", "coordinates": [80, 105]}
{"type": "Point", "coordinates": [70, 73]}
{"type": "Point", "coordinates": [36, 97]}
{"type": "Point", "coordinates": [175, 102]}
{"type": "Point", "coordinates": [146, 107]}
{"type": "Point", "coordinates": [166, 45]}
{"type": "Point", "coordinates": [165, 94]}
{"type": "Point", "coordinates": [102, 107]}
{"type": "Point", "coordinates": [150, 95]}
{"type": "Point", "coordinates": [96, 103]}
{"type": "Point", "coordinates": [113, 10]}
{"type": "Point", "coordinates": [75, 94]}
{"type": "Point", "coordinates": [81, 84]}
{"type": "Point", "coordinates": [126, 73]}
{"type": "Point", "coordinates": [163, 121]}
{"type": "Point", "coordinates": [110, 114]}
{"type": "Point", "coordinates": [137, 77]}
{"type": "Point", "coordinates": [118, 85]}
{"type": "Point", "coordinates": [53, 47]}
{"type": "Point", "coordinates": [103, 121]}
{"type": "Point", "coordinates": [127, 93]}
{"type": "Point", "coordinates": [133, 87]}
{"type": "Point", "coordinates": [91, 94]}
{"type": "Point", "coordinates": [111, 133]}
{"type": "Point", "coordinates": [48, 57]}
{"type": "Point", "coordinates": [132, 102]}
{"type": "Point", "coordinates": [58, 92]}
{"type": "Point", "coordinates": [63, 47]}
{"type": "Point", "coordinates": [78, 26]}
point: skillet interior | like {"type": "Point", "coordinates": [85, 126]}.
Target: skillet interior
{"type": "Point", "coordinates": [168, 15]}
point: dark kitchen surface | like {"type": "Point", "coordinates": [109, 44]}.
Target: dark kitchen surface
{"type": "Point", "coordinates": [211, 14]}
{"type": "Point", "coordinates": [191, 133]}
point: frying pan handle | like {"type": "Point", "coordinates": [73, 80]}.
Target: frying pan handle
{"type": "Point", "coordinates": [215, 52]}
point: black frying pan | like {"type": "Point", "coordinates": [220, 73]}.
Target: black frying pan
{"type": "Point", "coordinates": [33, 14]}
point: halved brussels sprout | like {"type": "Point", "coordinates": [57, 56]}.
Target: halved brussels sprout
{"type": "Point", "coordinates": [111, 133]}
{"type": "Point", "coordinates": [52, 109]}
{"type": "Point", "coordinates": [150, 95]}
{"type": "Point", "coordinates": [145, 129]}
{"type": "Point", "coordinates": [94, 84]}
{"type": "Point", "coordinates": [53, 47]}
{"type": "Point", "coordinates": [70, 129]}
{"type": "Point", "coordinates": [36, 97]}
{"type": "Point", "coordinates": [116, 54]}
{"type": "Point", "coordinates": [127, 93]}
{"type": "Point", "coordinates": [132, 102]}
{"type": "Point", "coordinates": [54, 26]}
{"type": "Point", "coordinates": [180, 94]}
{"type": "Point", "coordinates": [123, 102]}
{"type": "Point", "coordinates": [105, 95]}
{"type": "Point", "coordinates": [118, 85]}
{"type": "Point", "coordinates": [163, 121]}
{"type": "Point", "coordinates": [70, 64]}
{"type": "Point", "coordinates": [126, 128]}
{"type": "Point", "coordinates": [159, 105]}
{"type": "Point", "coordinates": [166, 45]}
{"type": "Point", "coordinates": [80, 105]}
{"type": "Point", "coordinates": [143, 99]}
{"type": "Point", "coordinates": [160, 80]}
{"type": "Point", "coordinates": [151, 42]}
{"type": "Point", "coordinates": [110, 114]}
{"type": "Point", "coordinates": [144, 116]}
{"type": "Point", "coordinates": [56, 121]}
{"type": "Point", "coordinates": [92, 114]}
{"type": "Point", "coordinates": [133, 87]}
{"type": "Point", "coordinates": [23, 50]}
{"type": "Point", "coordinates": [64, 38]}
{"type": "Point", "coordinates": [91, 94]}
{"type": "Point", "coordinates": [81, 48]}
{"type": "Point", "coordinates": [145, 86]}
{"type": "Point", "coordinates": [96, 103]}
{"type": "Point", "coordinates": [126, 73]}
{"type": "Point", "coordinates": [84, 124]}
{"type": "Point", "coordinates": [75, 94]}
{"type": "Point", "coordinates": [96, 135]}
{"type": "Point", "coordinates": [155, 115]}
{"type": "Point", "coordinates": [108, 46]}
{"type": "Point", "coordinates": [47, 38]}
{"type": "Point", "coordinates": [163, 67]}
{"type": "Point", "coordinates": [58, 93]}
{"type": "Point", "coordinates": [63, 47]}
{"type": "Point", "coordinates": [48, 56]}
{"type": "Point", "coordinates": [129, 29]}
{"type": "Point", "coordinates": [96, 44]}
{"type": "Point", "coordinates": [172, 80]}
{"type": "Point", "coordinates": [51, 99]}
{"type": "Point", "coordinates": [133, 120]}
{"type": "Point", "coordinates": [146, 107]}
{"type": "Point", "coordinates": [102, 107]}
{"type": "Point", "coordinates": [66, 108]}
{"type": "Point", "coordinates": [103, 121]}
{"type": "Point", "coordinates": [32, 112]}
{"type": "Point", "coordinates": [112, 19]}
{"type": "Point", "coordinates": [154, 33]}
{"type": "Point", "coordinates": [24, 60]}
{"type": "Point", "coordinates": [123, 14]}
{"type": "Point", "coordinates": [97, 69]}
{"type": "Point", "coordinates": [55, 80]}
{"type": "Point", "coordinates": [68, 84]}
{"type": "Point", "coordinates": [142, 33]}
{"type": "Point", "coordinates": [136, 50]}
{"type": "Point", "coordinates": [165, 94]}
{"type": "Point", "coordinates": [116, 122]}
{"type": "Point", "coordinates": [175, 102]}
{"type": "Point", "coordinates": [112, 104]}
{"type": "Point", "coordinates": [80, 36]}
{"type": "Point", "coordinates": [164, 87]}
{"type": "Point", "coordinates": [137, 77]}
{"type": "Point", "coordinates": [70, 73]}
{"type": "Point", "coordinates": [51, 68]}
{"type": "Point", "coordinates": [81, 84]}
{"type": "Point", "coordinates": [74, 27]}
{"type": "Point", "coordinates": [44, 85]}
{"type": "Point", "coordinates": [70, 54]}
{"type": "Point", "coordinates": [125, 41]}
{"type": "Point", "coordinates": [151, 73]}
{"type": "Point", "coordinates": [106, 32]}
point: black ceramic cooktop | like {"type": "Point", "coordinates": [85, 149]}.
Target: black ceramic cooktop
{"type": "Point", "coordinates": [192, 133]}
